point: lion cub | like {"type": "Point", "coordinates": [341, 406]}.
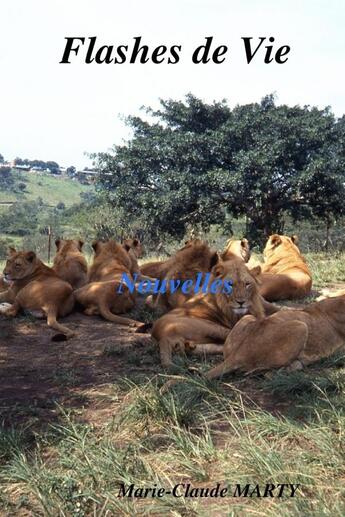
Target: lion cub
{"type": "Point", "coordinates": [208, 318]}
{"type": "Point", "coordinates": [69, 262]}
{"type": "Point", "coordinates": [100, 295]}
{"type": "Point", "coordinates": [36, 287]}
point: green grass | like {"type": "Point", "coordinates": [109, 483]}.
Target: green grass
{"type": "Point", "coordinates": [51, 189]}
{"type": "Point", "coordinates": [275, 428]}
{"type": "Point", "coordinates": [202, 433]}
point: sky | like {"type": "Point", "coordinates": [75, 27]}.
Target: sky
{"type": "Point", "coordinates": [60, 112]}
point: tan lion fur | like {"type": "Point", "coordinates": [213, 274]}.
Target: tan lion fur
{"type": "Point", "coordinates": [209, 317]}
{"type": "Point", "coordinates": [36, 287]}
{"type": "Point", "coordinates": [285, 274]}
{"type": "Point", "coordinates": [70, 263]}
{"type": "Point", "coordinates": [100, 295]}
{"type": "Point", "coordinates": [290, 338]}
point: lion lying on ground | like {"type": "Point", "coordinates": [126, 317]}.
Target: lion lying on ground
{"type": "Point", "coordinates": [36, 287]}
{"type": "Point", "coordinates": [195, 257]}
{"type": "Point", "coordinates": [69, 262]}
{"type": "Point", "coordinates": [155, 269]}
{"type": "Point", "coordinates": [236, 249]}
{"type": "Point", "coordinates": [209, 317]}
{"type": "Point", "coordinates": [100, 295]}
{"type": "Point", "coordinates": [293, 338]}
{"type": "Point", "coordinates": [285, 274]}
{"type": "Point", "coordinates": [160, 268]}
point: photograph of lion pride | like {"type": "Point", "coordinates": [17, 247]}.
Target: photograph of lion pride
{"type": "Point", "coordinates": [98, 368]}
{"type": "Point", "coordinates": [243, 326]}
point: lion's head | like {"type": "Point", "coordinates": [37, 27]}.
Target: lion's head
{"type": "Point", "coordinates": [244, 296]}
{"type": "Point", "coordinates": [134, 245]}
{"type": "Point", "coordinates": [19, 265]}
{"type": "Point", "coordinates": [279, 243]}
{"type": "Point", "coordinates": [108, 251]}
{"type": "Point", "coordinates": [68, 245]}
{"type": "Point", "coordinates": [236, 248]}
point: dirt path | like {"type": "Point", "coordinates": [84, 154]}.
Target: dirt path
{"type": "Point", "coordinates": [36, 372]}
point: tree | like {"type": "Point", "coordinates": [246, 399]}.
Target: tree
{"type": "Point", "coordinates": [193, 163]}
{"type": "Point", "coordinates": [2, 160]}
{"type": "Point", "coordinates": [71, 171]}
{"type": "Point", "coordinates": [53, 167]}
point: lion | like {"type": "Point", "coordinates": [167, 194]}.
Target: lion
{"type": "Point", "coordinates": [36, 287]}
{"type": "Point", "coordinates": [195, 257]}
{"type": "Point", "coordinates": [209, 317]}
{"type": "Point", "coordinates": [236, 249]}
{"type": "Point", "coordinates": [291, 338]}
{"type": "Point", "coordinates": [285, 274]}
{"type": "Point", "coordinates": [101, 295]}
{"type": "Point", "coordinates": [69, 262]}
{"type": "Point", "coordinates": [155, 269]}
{"type": "Point", "coordinates": [135, 251]}
{"type": "Point", "coordinates": [160, 268]}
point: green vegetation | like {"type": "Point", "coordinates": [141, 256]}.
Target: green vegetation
{"type": "Point", "coordinates": [193, 164]}
{"type": "Point", "coordinates": [30, 203]}
{"type": "Point", "coordinates": [52, 190]}
{"type": "Point", "coordinates": [201, 433]}
{"type": "Point", "coordinates": [277, 427]}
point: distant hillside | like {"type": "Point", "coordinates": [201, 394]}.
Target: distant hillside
{"type": "Point", "coordinates": [51, 189]}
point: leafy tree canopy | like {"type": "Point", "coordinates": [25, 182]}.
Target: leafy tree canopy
{"type": "Point", "coordinates": [192, 163]}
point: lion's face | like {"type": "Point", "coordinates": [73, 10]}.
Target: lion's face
{"type": "Point", "coordinates": [244, 284]}
{"type": "Point", "coordinates": [19, 265]}
{"type": "Point", "coordinates": [278, 242]}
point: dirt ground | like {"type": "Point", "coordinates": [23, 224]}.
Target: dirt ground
{"type": "Point", "coordinates": [36, 372]}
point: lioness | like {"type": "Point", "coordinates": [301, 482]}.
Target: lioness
{"type": "Point", "coordinates": [155, 269]}
{"type": "Point", "coordinates": [100, 295]}
{"type": "Point", "coordinates": [195, 257]}
{"type": "Point", "coordinates": [209, 317]}
{"type": "Point", "coordinates": [160, 268]}
{"type": "Point", "coordinates": [69, 262]}
{"type": "Point", "coordinates": [236, 249]}
{"type": "Point", "coordinates": [285, 274]}
{"type": "Point", "coordinates": [291, 338]}
{"type": "Point", "coordinates": [36, 287]}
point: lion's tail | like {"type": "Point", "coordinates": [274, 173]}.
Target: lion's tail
{"type": "Point", "coordinates": [108, 315]}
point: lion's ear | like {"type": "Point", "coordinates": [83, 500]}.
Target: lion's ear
{"type": "Point", "coordinates": [126, 247]}
{"type": "Point", "coordinates": [57, 243]}
{"type": "Point", "coordinates": [30, 256]}
{"type": "Point", "coordinates": [81, 244]}
{"type": "Point", "coordinates": [135, 242]}
{"type": "Point", "coordinates": [214, 259]}
{"type": "Point", "coordinates": [218, 270]}
{"type": "Point", "coordinates": [275, 239]}
{"type": "Point", "coordinates": [244, 243]}
{"type": "Point", "coordinates": [11, 251]}
{"type": "Point", "coordinates": [294, 239]}
{"type": "Point", "coordinates": [255, 271]}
